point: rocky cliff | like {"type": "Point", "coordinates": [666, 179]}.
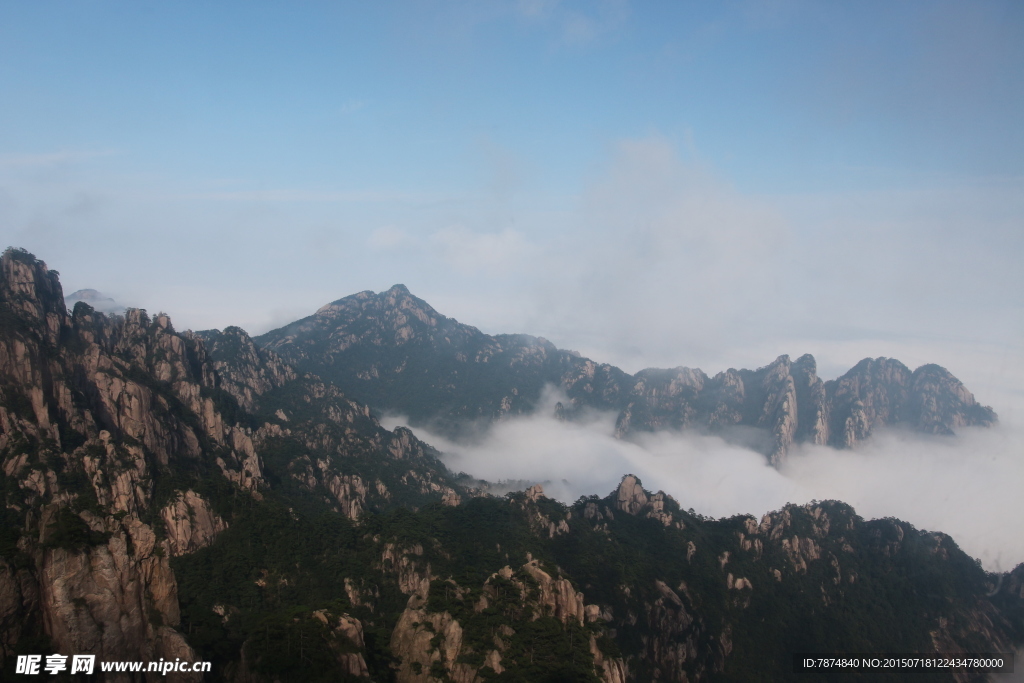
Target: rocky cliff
{"type": "Point", "coordinates": [121, 443]}
{"type": "Point", "coordinates": [395, 352]}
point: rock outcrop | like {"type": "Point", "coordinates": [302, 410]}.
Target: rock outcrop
{"type": "Point", "coordinates": [632, 499]}
{"type": "Point", "coordinates": [431, 644]}
{"type": "Point", "coordinates": [189, 523]}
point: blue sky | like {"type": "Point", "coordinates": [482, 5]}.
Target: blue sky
{"type": "Point", "coordinates": [652, 183]}
{"type": "Point", "coordinates": [777, 96]}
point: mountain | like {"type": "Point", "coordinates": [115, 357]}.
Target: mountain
{"type": "Point", "coordinates": [125, 444]}
{"type": "Point", "coordinates": [396, 353]}
{"type": "Point", "coordinates": [194, 496]}
{"type": "Point", "coordinates": [96, 300]}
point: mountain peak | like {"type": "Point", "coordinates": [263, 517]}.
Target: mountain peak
{"type": "Point", "coordinates": [97, 300]}
{"type": "Point", "coordinates": [32, 292]}
{"type": "Point", "coordinates": [397, 295]}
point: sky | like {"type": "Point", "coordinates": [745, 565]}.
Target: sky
{"type": "Point", "coordinates": [651, 184]}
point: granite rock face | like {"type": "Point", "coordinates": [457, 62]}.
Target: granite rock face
{"type": "Point", "coordinates": [189, 523]}
{"type": "Point", "coordinates": [110, 426]}
{"type": "Point", "coordinates": [90, 574]}
{"type": "Point", "coordinates": [395, 352]}
{"type": "Point", "coordinates": [429, 644]}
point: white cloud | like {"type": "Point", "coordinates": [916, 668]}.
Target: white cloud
{"type": "Point", "coordinates": [661, 263]}
{"type": "Point", "coordinates": [968, 486]}
{"type": "Point", "coordinates": [474, 252]}
{"type": "Point", "coordinates": [664, 261]}
{"type": "Point", "coordinates": [388, 237]}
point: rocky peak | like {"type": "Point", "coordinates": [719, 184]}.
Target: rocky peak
{"type": "Point", "coordinates": [880, 382]}
{"type": "Point", "coordinates": [385, 319]}
{"type": "Point", "coordinates": [32, 293]}
{"type": "Point", "coordinates": [811, 408]}
{"type": "Point", "coordinates": [940, 402]}
{"type": "Point", "coordinates": [397, 293]}
{"type": "Point", "coordinates": [630, 497]}
{"type": "Point", "coordinates": [395, 302]}
{"type": "Point", "coordinates": [535, 493]}
{"type": "Point", "coordinates": [806, 364]}
{"type": "Point", "coordinates": [245, 370]}
{"type": "Point", "coordinates": [882, 391]}
{"type": "Point", "coordinates": [779, 367]}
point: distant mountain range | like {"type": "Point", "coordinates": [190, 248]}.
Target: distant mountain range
{"type": "Point", "coordinates": [396, 353]}
{"type": "Point", "coordinates": [195, 496]}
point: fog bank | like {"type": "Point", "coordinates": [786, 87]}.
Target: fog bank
{"type": "Point", "coordinates": [968, 486]}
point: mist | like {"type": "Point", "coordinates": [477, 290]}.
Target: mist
{"type": "Point", "coordinates": [967, 486]}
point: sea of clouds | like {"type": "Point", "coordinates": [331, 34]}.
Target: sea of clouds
{"type": "Point", "coordinates": [967, 486]}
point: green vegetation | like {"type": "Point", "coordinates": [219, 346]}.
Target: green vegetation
{"type": "Point", "coordinates": [283, 558]}
{"type": "Point", "coordinates": [10, 532]}
{"type": "Point", "coordinates": [70, 532]}
{"type": "Point", "coordinates": [20, 255]}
